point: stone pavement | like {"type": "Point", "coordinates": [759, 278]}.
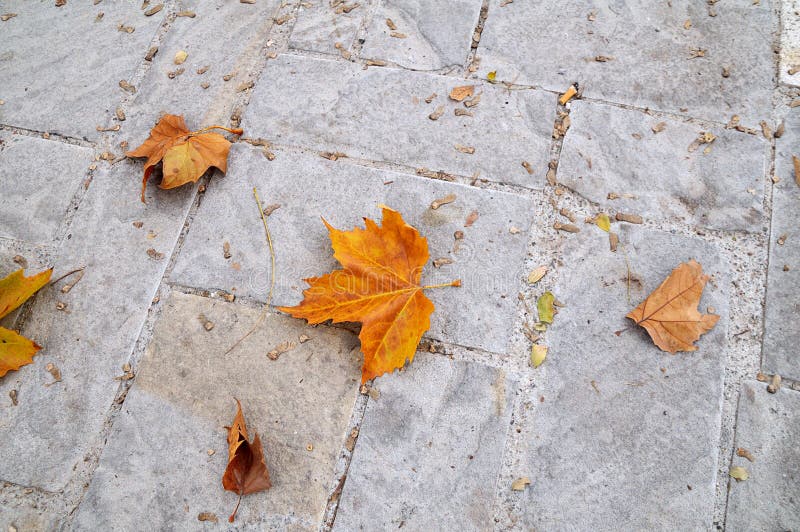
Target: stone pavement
{"type": "Point", "coordinates": [337, 100]}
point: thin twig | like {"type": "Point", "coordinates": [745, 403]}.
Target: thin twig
{"type": "Point", "coordinates": [272, 275]}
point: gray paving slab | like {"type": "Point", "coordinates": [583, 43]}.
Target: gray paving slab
{"type": "Point", "coordinates": [52, 84]}
{"type": "Point", "coordinates": [608, 149]}
{"type": "Point", "coordinates": [768, 427]}
{"type": "Point", "coordinates": [430, 448]}
{"type": "Point", "coordinates": [626, 435]}
{"type": "Point", "coordinates": [436, 34]}
{"type": "Point", "coordinates": [489, 259]}
{"type": "Point", "coordinates": [781, 328]}
{"type": "Point", "coordinates": [27, 518]}
{"type": "Point", "coordinates": [554, 44]}
{"type": "Point", "coordinates": [222, 39]}
{"type": "Point", "coordinates": [37, 181]}
{"type": "Point", "coordinates": [790, 42]}
{"type": "Point", "coordinates": [321, 25]}
{"type": "Point", "coordinates": [305, 398]}
{"type": "Point", "coordinates": [89, 340]}
{"type": "Point", "coordinates": [381, 114]}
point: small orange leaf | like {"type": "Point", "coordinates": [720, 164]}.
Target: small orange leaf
{"type": "Point", "coordinates": [246, 472]}
{"type": "Point", "coordinates": [186, 155]}
{"type": "Point", "coordinates": [460, 93]}
{"type": "Point", "coordinates": [379, 287]}
{"type": "Point", "coordinates": [16, 350]}
{"type": "Point", "coordinates": [670, 314]}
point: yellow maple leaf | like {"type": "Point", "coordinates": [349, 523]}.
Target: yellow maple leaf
{"type": "Point", "coordinates": [15, 289]}
{"type": "Point", "coordinates": [379, 287]}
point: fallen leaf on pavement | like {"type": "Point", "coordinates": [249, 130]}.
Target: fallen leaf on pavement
{"type": "Point", "coordinates": [185, 155]}
{"type": "Point", "coordinates": [520, 484]}
{"type": "Point", "coordinates": [379, 286]}
{"type": "Point", "coordinates": [744, 453]}
{"type": "Point", "coordinates": [545, 307]}
{"type": "Point", "coordinates": [670, 315]}
{"type": "Point", "coordinates": [536, 275]}
{"type": "Point", "coordinates": [16, 350]}
{"type": "Point", "coordinates": [246, 472]}
{"type": "Point", "coordinates": [739, 473]}
{"type": "Point", "coordinates": [538, 354]}
{"type": "Point", "coordinates": [602, 221]}
{"type": "Point", "coordinates": [460, 93]}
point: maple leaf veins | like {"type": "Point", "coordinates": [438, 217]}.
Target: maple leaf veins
{"type": "Point", "coordinates": [379, 287]}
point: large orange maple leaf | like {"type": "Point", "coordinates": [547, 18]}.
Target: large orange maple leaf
{"type": "Point", "coordinates": [379, 287]}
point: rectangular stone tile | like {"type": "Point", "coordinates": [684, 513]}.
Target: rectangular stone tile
{"type": "Point", "coordinates": [768, 426]}
{"type": "Point", "coordinates": [489, 259]}
{"type": "Point", "coordinates": [609, 149]}
{"type": "Point", "coordinates": [624, 436]}
{"type": "Point", "coordinates": [71, 84]}
{"type": "Point", "coordinates": [790, 42]}
{"type": "Point", "coordinates": [89, 340]}
{"type": "Point", "coordinates": [781, 327]}
{"type": "Point", "coordinates": [381, 114]}
{"type": "Point", "coordinates": [223, 39]}
{"type": "Point", "coordinates": [183, 397]}
{"type": "Point", "coordinates": [429, 449]}
{"type": "Point", "coordinates": [648, 49]}
{"type": "Point", "coordinates": [437, 34]}
{"type": "Point", "coordinates": [37, 181]}
{"type": "Point", "coordinates": [320, 25]}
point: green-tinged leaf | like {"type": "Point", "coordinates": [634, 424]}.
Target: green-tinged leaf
{"type": "Point", "coordinates": [545, 307]}
{"type": "Point", "coordinates": [538, 354]}
{"type": "Point", "coordinates": [739, 473]}
{"type": "Point", "coordinates": [603, 222]}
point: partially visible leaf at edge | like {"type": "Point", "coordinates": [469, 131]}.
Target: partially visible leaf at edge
{"type": "Point", "coordinates": [16, 350]}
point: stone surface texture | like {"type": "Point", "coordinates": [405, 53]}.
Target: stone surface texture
{"type": "Point", "coordinates": [782, 331]}
{"type": "Point", "coordinates": [38, 178]}
{"type": "Point", "coordinates": [768, 428]}
{"type": "Point", "coordinates": [303, 399]}
{"type": "Point", "coordinates": [382, 114]}
{"type": "Point", "coordinates": [428, 35]}
{"type": "Point", "coordinates": [119, 422]}
{"type": "Point", "coordinates": [649, 58]}
{"type": "Point", "coordinates": [612, 150]}
{"type": "Point", "coordinates": [70, 85]}
{"type": "Point", "coordinates": [443, 422]}
{"type": "Point", "coordinates": [625, 412]}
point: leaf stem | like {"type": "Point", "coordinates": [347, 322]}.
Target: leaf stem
{"type": "Point", "coordinates": [456, 283]}
{"type": "Point", "coordinates": [272, 274]}
{"type": "Point", "coordinates": [237, 131]}
{"type": "Point", "coordinates": [68, 274]}
{"type": "Point", "coordinates": [233, 515]}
